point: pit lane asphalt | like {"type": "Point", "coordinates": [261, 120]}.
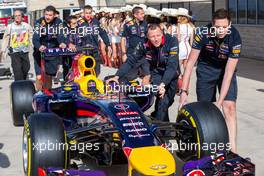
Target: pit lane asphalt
{"type": "Point", "coordinates": [250, 113]}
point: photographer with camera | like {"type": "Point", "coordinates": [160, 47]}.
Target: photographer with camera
{"type": "Point", "coordinates": [16, 42]}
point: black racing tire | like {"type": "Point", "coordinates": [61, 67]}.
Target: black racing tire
{"type": "Point", "coordinates": [44, 143]}
{"type": "Point", "coordinates": [21, 96]}
{"type": "Point", "coordinates": [210, 131]}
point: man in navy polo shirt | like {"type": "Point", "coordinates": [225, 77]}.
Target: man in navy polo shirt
{"type": "Point", "coordinates": [134, 32]}
{"type": "Point", "coordinates": [45, 36]}
{"type": "Point", "coordinates": [159, 55]}
{"type": "Point", "coordinates": [90, 30]}
{"type": "Point", "coordinates": [218, 52]}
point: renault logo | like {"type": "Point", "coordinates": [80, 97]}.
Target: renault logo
{"type": "Point", "coordinates": [158, 166]}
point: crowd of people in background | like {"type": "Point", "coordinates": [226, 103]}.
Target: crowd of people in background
{"type": "Point", "coordinates": [176, 22]}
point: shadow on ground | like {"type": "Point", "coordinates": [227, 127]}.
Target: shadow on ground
{"type": "Point", "coordinates": [4, 160]}
{"type": "Point", "coordinates": [251, 69]}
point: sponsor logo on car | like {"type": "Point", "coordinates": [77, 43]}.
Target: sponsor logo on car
{"type": "Point", "coordinates": [138, 135]}
{"type": "Point", "coordinates": [133, 124]}
{"type": "Point", "coordinates": [121, 106]}
{"type": "Point", "coordinates": [130, 118]}
{"type": "Point", "coordinates": [127, 113]}
{"type": "Point", "coordinates": [136, 130]}
{"type": "Point", "coordinates": [158, 166]}
{"type": "Point", "coordinates": [196, 172]}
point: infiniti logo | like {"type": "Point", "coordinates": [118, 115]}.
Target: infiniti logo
{"type": "Point", "coordinates": [121, 106]}
{"type": "Point", "coordinates": [158, 166]}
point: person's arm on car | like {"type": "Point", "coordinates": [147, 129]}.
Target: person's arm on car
{"type": "Point", "coordinates": [132, 59]}
{"type": "Point", "coordinates": [36, 37]}
{"type": "Point", "coordinates": [229, 72]}
{"type": "Point", "coordinates": [230, 68]}
{"type": "Point", "coordinates": [195, 52]}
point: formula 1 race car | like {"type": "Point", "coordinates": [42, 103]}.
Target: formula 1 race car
{"type": "Point", "coordinates": [85, 118]}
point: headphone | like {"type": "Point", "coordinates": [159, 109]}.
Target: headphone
{"type": "Point", "coordinates": [22, 14]}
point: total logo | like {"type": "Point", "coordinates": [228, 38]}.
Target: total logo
{"type": "Point", "coordinates": [196, 172]}
{"type": "Point", "coordinates": [121, 106]}
{"type": "Point", "coordinates": [127, 113]}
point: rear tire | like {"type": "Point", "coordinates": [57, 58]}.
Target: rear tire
{"type": "Point", "coordinates": [44, 143]}
{"type": "Point", "coordinates": [210, 130]}
{"type": "Point", "coordinates": [21, 94]}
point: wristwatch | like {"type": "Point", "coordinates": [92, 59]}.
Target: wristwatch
{"type": "Point", "coordinates": [185, 91]}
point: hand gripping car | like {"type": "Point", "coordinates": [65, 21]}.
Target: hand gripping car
{"type": "Point", "coordinates": [111, 125]}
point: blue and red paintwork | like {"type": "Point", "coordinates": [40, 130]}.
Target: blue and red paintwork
{"type": "Point", "coordinates": [124, 113]}
{"type": "Point", "coordinates": [70, 172]}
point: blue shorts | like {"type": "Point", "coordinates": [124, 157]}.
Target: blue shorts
{"type": "Point", "coordinates": [209, 80]}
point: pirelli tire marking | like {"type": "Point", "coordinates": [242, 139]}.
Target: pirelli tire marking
{"type": "Point", "coordinates": [29, 148]}
{"type": "Point", "coordinates": [187, 115]}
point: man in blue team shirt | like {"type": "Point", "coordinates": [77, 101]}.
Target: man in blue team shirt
{"type": "Point", "coordinates": [47, 35]}
{"type": "Point", "coordinates": [159, 55]}
{"type": "Point", "coordinates": [73, 40]}
{"type": "Point", "coordinates": [218, 53]}
{"type": "Point", "coordinates": [134, 32]}
{"type": "Point", "coordinates": [89, 29]}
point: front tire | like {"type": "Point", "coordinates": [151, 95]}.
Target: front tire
{"type": "Point", "coordinates": [44, 143]}
{"type": "Point", "coordinates": [21, 94]}
{"type": "Point", "coordinates": [210, 132]}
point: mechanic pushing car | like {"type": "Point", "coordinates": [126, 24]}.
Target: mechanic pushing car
{"type": "Point", "coordinates": [218, 56]}
{"type": "Point", "coordinates": [73, 40]}
{"type": "Point", "coordinates": [90, 28]}
{"type": "Point", "coordinates": [160, 55]}
{"type": "Point", "coordinates": [45, 36]}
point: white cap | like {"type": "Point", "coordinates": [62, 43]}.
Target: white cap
{"type": "Point", "coordinates": [114, 11]}
{"type": "Point", "coordinates": [143, 6]}
{"type": "Point", "coordinates": [77, 12]}
{"type": "Point", "coordinates": [134, 5]}
{"type": "Point", "coordinates": [96, 11]}
{"type": "Point", "coordinates": [103, 9]}
{"type": "Point", "coordinates": [173, 12]}
{"type": "Point", "coordinates": [128, 8]}
{"type": "Point", "coordinates": [165, 11]}
{"type": "Point", "coordinates": [153, 12]}
{"type": "Point", "coordinates": [107, 10]}
{"type": "Point", "coordinates": [123, 9]}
